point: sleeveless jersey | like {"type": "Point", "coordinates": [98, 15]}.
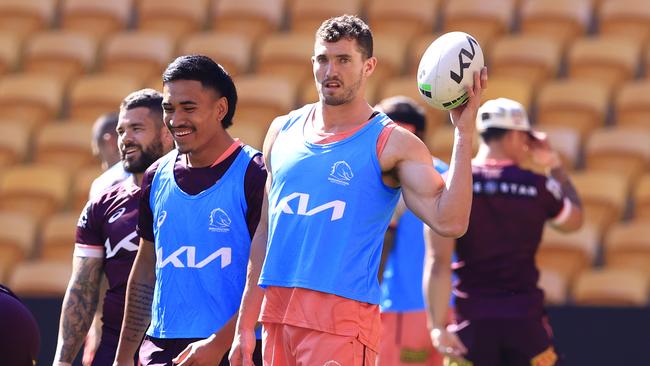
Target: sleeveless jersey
{"type": "Point", "coordinates": [328, 211]}
{"type": "Point", "coordinates": [202, 246]}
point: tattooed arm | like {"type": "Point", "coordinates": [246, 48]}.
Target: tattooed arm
{"type": "Point", "coordinates": [79, 306]}
{"type": "Point", "coordinates": [139, 294]}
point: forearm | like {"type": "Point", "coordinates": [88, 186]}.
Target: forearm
{"type": "Point", "coordinates": [253, 294]}
{"type": "Point", "coordinates": [559, 174]}
{"type": "Point", "coordinates": [453, 207]}
{"type": "Point", "coordinates": [78, 307]}
{"type": "Point", "coordinates": [437, 290]}
{"type": "Point", "coordinates": [137, 314]}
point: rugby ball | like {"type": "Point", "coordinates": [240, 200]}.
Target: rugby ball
{"type": "Point", "coordinates": [447, 67]}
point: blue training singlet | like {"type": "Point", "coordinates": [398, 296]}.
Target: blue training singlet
{"type": "Point", "coordinates": [328, 211]}
{"type": "Point", "coordinates": [401, 288]}
{"type": "Point", "coordinates": [202, 247]}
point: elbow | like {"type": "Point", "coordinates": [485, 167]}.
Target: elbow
{"type": "Point", "coordinates": [452, 230]}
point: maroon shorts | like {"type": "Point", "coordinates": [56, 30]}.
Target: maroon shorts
{"type": "Point", "coordinates": [161, 352]}
{"type": "Point", "coordinates": [107, 348]}
{"type": "Point", "coordinates": [508, 342]}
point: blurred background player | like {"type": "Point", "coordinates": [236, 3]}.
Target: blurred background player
{"type": "Point", "coordinates": [335, 172]}
{"type": "Point", "coordinates": [498, 307]}
{"type": "Point", "coordinates": [104, 146]}
{"type": "Point", "coordinates": [405, 338]}
{"type": "Point", "coordinates": [199, 209]}
{"type": "Point", "coordinates": [19, 334]}
{"type": "Point", "coordinates": [106, 238]}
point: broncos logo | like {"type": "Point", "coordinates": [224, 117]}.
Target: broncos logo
{"type": "Point", "coordinates": [219, 220]}
{"type": "Point", "coordinates": [341, 173]}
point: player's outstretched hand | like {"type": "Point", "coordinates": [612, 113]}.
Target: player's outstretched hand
{"type": "Point", "coordinates": [205, 352]}
{"type": "Point", "coordinates": [463, 117]}
{"type": "Point", "coordinates": [241, 352]}
{"type": "Point", "coordinates": [447, 342]}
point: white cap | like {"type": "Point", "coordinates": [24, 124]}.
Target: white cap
{"type": "Point", "coordinates": [502, 113]}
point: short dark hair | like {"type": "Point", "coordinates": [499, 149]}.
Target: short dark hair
{"type": "Point", "coordinates": [210, 74]}
{"type": "Point", "coordinates": [493, 134]}
{"type": "Point", "coordinates": [404, 110]}
{"type": "Point", "coordinates": [147, 98]}
{"type": "Point", "coordinates": [106, 123]}
{"type": "Point", "coordinates": [348, 27]}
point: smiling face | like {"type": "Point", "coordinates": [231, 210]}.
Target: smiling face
{"type": "Point", "coordinates": [193, 115]}
{"type": "Point", "coordinates": [340, 70]}
{"type": "Point", "coordinates": [139, 139]}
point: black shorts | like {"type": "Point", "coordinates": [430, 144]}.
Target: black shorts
{"type": "Point", "coordinates": [161, 352]}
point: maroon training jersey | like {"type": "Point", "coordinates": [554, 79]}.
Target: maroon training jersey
{"type": "Point", "coordinates": [497, 275]}
{"type": "Point", "coordinates": [195, 180]}
{"type": "Point", "coordinates": [106, 229]}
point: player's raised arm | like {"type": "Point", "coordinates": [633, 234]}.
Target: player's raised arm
{"type": "Point", "coordinates": [139, 295]}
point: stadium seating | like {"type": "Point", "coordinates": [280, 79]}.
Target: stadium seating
{"type": "Point", "coordinates": [262, 98]}
{"type": "Point", "coordinates": [252, 18]}
{"type": "Point", "coordinates": [65, 54]}
{"type": "Point", "coordinates": [25, 17]}
{"type": "Point", "coordinates": [9, 52]}
{"type": "Point", "coordinates": [604, 196]}
{"type": "Point", "coordinates": [566, 142]}
{"type": "Point", "coordinates": [174, 18]}
{"type": "Point", "coordinates": [36, 189]}
{"type": "Point", "coordinates": [417, 46]}
{"type": "Point", "coordinates": [532, 58]}
{"type": "Point", "coordinates": [641, 197]}
{"type": "Point", "coordinates": [31, 99]}
{"type": "Point", "coordinates": [484, 20]}
{"type": "Point", "coordinates": [286, 55]}
{"type": "Point", "coordinates": [578, 104]}
{"type": "Point", "coordinates": [611, 287]}
{"type": "Point", "coordinates": [627, 245]}
{"type": "Point", "coordinates": [568, 254]}
{"type": "Point", "coordinates": [64, 144]}
{"type": "Point", "coordinates": [97, 18]}
{"type": "Point", "coordinates": [93, 95]}
{"type": "Point", "coordinates": [628, 18]}
{"type": "Point", "coordinates": [391, 50]}
{"type": "Point", "coordinates": [232, 51]}
{"type": "Point", "coordinates": [137, 54]}
{"type": "Point", "coordinates": [560, 20]}
{"type": "Point", "coordinates": [632, 104]}
{"type": "Point", "coordinates": [250, 132]}
{"type": "Point", "coordinates": [14, 143]}
{"type": "Point", "coordinates": [306, 16]}
{"type": "Point", "coordinates": [17, 238]}
{"type": "Point", "coordinates": [623, 151]}
{"type": "Point", "coordinates": [510, 87]}
{"type": "Point", "coordinates": [40, 279]}
{"type": "Point", "coordinates": [81, 182]}
{"type": "Point", "coordinates": [58, 237]}
{"type": "Point", "coordinates": [405, 18]}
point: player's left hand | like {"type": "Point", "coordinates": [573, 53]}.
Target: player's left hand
{"type": "Point", "coordinates": [205, 352]}
{"type": "Point", "coordinates": [464, 117]}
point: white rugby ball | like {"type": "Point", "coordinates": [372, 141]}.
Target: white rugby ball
{"type": "Point", "coordinates": [447, 67]}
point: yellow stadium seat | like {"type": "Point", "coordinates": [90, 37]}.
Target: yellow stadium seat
{"type": "Point", "coordinates": [65, 54]}
{"type": "Point", "coordinates": [14, 143]}
{"type": "Point", "coordinates": [604, 196]}
{"type": "Point", "coordinates": [628, 18]}
{"type": "Point", "coordinates": [632, 105]}
{"type": "Point", "coordinates": [64, 144]}
{"type": "Point", "coordinates": [623, 151]}
{"type": "Point", "coordinates": [174, 18]}
{"type": "Point", "coordinates": [611, 287]}
{"type": "Point", "coordinates": [97, 18]}
{"type": "Point", "coordinates": [251, 18]}
{"type": "Point", "coordinates": [287, 55]}
{"type": "Point", "coordinates": [32, 99]}
{"type": "Point", "coordinates": [41, 278]}
{"type": "Point", "coordinates": [25, 17]}
{"type": "Point", "coordinates": [509, 87]}
{"type": "Point", "coordinates": [611, 60]}
{"type": "Point", "coordinates": [35, 189]}
{"type": "Point", "coordinates": [232, 51]}
{"type": "Point", "coordinates": [484, 20]}
{"type": "Point", "coordinates": [81, 182]}
{"type": "Point", "coordinates": [407, 87]}
{"type": "Point", "coordinates": [405, 19]}
{"type": "Point", "coordinates": [566, 141]}
{"type": "Point", "coordinates": [262, 98]}
{"type": "Point", "coordinates": [641, 197]}
{"type": "Point", "coordinates": [58, 236]}
{"type": "Point", "coordinates": [529, 57]}
{"type": "Point", "coordinates": [416, 49]}
{"type": "Point", "coordinates": [17, 239]}
{"type": "Point", "coordinates": [627, 245]}
{"type": "Point", "coordinates": [568, 253]}
{"type": "Point", "coordinates": [306, 16]}
{"type": "Point", "coordinates": [249, 132]}
{"type": "Point", "coordinates": [560, 20]}
{"type": "Point", "coordinates": [9, 52]}
{"type": "Point", "coordinates": [555, 286]}
{"type": "Point", "coordinates": [137, 54]}
{"type": "Point", "coordinates": [391, 51]}
{"type": "Point", "coordinates": [94, 95]}
{"type": "Point", "coordinates": [579, 104]}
